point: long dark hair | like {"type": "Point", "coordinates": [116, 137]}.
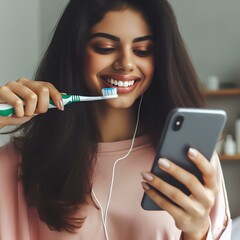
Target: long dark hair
{"type": "Point", "coordinates": [58, 148]}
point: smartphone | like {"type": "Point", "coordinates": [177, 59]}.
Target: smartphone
{"type": "Point", "coordinates": [185, 128]}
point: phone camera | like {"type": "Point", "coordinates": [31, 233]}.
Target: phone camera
{"type": "Point", "coordinates": [177, 124]}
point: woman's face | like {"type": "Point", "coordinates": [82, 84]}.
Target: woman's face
{"type": "Point", "coordinates": [119, 54]}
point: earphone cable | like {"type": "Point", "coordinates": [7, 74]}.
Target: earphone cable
{"type": "Point", "coordinates": [104, 215]}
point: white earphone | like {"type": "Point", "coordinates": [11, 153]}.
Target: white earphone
{"type": "Point", "coordinates": [94, 197]}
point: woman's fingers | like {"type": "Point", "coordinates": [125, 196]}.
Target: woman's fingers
{"type": "Point", "coordinates": [203, 194]}
{"type": "Point", "coordinates": [206, 168]}
{"type": "Point", "coordinates": [22, 98]}
{"type": "Point", "coordinates": [184, 202]}
{"type": "Point", "coordinates": [162, 201]}
{"type": "Point", "coordinates": [176, 195]}
{"type": "Point", "coordinates": [191, 214]}
{"type": "Point", "coordinates": [30, 97]}
{"type": "Point", "coordinates": [185, 177]}
{"type": "Point", "coordinates": [44, 91]}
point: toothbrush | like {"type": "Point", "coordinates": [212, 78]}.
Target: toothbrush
{"type": "Point", "coordinates": [107, 93]}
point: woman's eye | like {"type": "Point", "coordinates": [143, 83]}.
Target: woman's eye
{"type": "Point", "coordinates": [103, 50]}
{"type": "Point", "coordinates": [142, 53]}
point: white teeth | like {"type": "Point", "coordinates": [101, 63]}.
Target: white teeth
{"type": "Point", "coordinates": [120, 83]}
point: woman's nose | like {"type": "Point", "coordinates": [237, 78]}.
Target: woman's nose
{"type": "Point", "coordinates": [124, 62]}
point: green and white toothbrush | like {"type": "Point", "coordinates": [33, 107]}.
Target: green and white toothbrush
{"type": "Point", "coordinates": [107, 93]}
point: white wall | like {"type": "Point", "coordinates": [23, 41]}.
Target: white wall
{"type": "Point", "coordinates": [212, 34]}
{"type": "Point", "coordinates": [50, 13]}
{"type": "Point", "coordinates": [19, 38]}
{"type": "Point", "coordinates": [25, 31]}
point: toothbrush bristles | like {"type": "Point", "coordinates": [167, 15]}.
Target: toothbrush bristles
{"type": "Point", "coordinates": [109, 92]}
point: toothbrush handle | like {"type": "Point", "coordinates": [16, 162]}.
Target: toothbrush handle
{"type": "Point", "coordinates": [6, 109]}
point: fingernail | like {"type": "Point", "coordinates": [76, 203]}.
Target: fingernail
{"type": "Point", "coordinates": [163, 163]}
{"type": "Point", "coordinates": [147, 176]}
{"type": "Point", "coordinates": [193, 152]}
{"type": "Point", "coordinates": [145, 186]}
{"type": "Point", "coordinates": [60, 105]}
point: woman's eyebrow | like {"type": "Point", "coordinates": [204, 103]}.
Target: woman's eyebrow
{"type": "Point", "coordinates": [105, 35]}
{"type": "Point", "coordinates": [143, 38]}
{"type": "Point", "coordinates": [117, 39]}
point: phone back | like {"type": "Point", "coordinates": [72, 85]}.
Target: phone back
{"type": "Point", "coordinates": [186, 127]}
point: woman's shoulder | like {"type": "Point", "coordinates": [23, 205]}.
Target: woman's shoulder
{"type": "Point", "coordinates": [13, 216]}
{"type": "Point", "coordinates": [9, 158]}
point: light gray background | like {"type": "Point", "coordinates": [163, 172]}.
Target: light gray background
{"type": "Point", "coordinates": [210, 29]}
{"type": "Point", "coordinates": [212, 34]}
{"type": "Point", "coordinates": [25, 29]}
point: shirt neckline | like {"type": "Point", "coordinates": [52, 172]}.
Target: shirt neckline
{"type": "Point", "coordinates": [124, 145]}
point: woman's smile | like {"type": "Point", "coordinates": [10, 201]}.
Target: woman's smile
{"type": "Point", "coordinates": [123, 83]}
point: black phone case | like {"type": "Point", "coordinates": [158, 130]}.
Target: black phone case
{"type": "Point", "coordinates": [200, 129]}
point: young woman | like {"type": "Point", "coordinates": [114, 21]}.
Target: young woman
{"type": "Point", "coordinates": [76, 172]}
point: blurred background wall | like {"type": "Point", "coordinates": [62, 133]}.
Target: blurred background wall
{"type": "Point", "coordinates": [212, 34]}
{"type": "Point", "coordinates": [19, 38]}
{"type": "Point", "coordinates": [25, 30]}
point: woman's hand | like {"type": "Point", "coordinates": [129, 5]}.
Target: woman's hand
{"type": "Point", "coordinates": [192, 213]}
{"type": "Point", "coordinates": [28, 99]}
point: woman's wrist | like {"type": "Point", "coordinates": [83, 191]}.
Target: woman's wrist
{"type": "Point", "coordinates": [200, 235]}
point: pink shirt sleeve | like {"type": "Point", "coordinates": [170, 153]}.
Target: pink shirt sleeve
{"type": "Point", "coordinates": [13, 214]}
{"type": "Point", "coordinates": [220, 213]}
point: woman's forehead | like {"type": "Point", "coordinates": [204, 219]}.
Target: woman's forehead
{"type": "Point", "coordinates": [124, 22]}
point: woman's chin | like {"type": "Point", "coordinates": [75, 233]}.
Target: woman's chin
{"type": "Point", "coordinates": [120, 102]}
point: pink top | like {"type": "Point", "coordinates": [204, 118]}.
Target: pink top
{"type": "Point", "coordinates": [126, 219]}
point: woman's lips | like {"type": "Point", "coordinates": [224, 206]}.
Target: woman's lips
{"type": "Point", "coordinates": [123, 83]}
{"type": "Point", "coordinates": [120, 83]}
{"type": "Point", "coordinates": [121, 89]}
